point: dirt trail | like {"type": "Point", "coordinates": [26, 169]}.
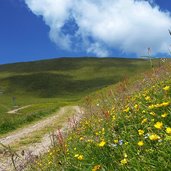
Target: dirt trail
{"type": "Point", "coordinates": [16, 110]}
{"type": "Point", "coordinates": [37, 148]}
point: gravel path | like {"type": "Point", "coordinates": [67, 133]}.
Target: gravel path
{"type": "Point", "coordinates": [16, 110]}
{"type": "Point", "coordinates": [37, 148]}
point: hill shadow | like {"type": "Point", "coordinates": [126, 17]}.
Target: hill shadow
{"type": "Point", "coordinates": [54, 85]}
{"type": "Point", "coordinates": [61, 64]}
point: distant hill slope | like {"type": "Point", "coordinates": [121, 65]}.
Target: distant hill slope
{"type": "Point", "coordinates": [66, 76]}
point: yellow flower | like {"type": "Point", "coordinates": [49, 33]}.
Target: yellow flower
{"type": "Point", "coordinates": [168, 130]}
{"type": "Point", "coordinates": [102, 143]}
{"type": "Point", "coordinates": [103, 131]}
{"type": "Point", "coordinates": [97, 167]}
{"type": "Point", "coordinates": [164, 115]}
{"type": "Point", "coordinates": [152, 113]}
{"type": "Point", "coordinates": [143, 111]}
{"type": "Point", "coordinates": [49, 163]}
{"type": "Point", "coordinates": [80, 157]}
{"type": "Point", "coordinates": [113, 118]}
{"type": "Point", "coordinates": [166, 88]}
{"type": "Point", "coordinates": [126, 143]}
{"type": "Point", "coordinates": [158, 125]}
{"type": "Point", "coordinates": [144, 120]}
{"type": "Point", "coordinates": [140, 143]}
{"type": "Point", "coordinates": [125, 155]}
{"type": "Point", "coordinates": [76, 155]}
{"type": "Point", "coordinates": [90, 141]}
{"type": "Point", "coordinates": [116, 141]}
{"type": "Point", "coordinates": [127, 109]}
{"type": "Point", "coordinates": [124, 161]}
{"type": "Point", "coordinates": [154, 137]}
{"type": "Point", "coordinates": [140, 132]}
{"type": "Point", "coordinates": [136, 106]}
{"type": "Point", "coordinates": [147, 98]}
{"type": "Point", "coordinates": [165, 104]}
{"type": "Point", "coordinates": [151, 106]}
{"type": "Point", "coordinates": [97, 133]}
{"type": "Point", "coordinates": [81, 138]}
{"type": "Point", "coordinates": [158, 105]}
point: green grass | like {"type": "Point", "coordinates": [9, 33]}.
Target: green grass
{"type": "Point", "coordinates": [50, 84]}
{"type": "Point", "coordinates": [126, 127]}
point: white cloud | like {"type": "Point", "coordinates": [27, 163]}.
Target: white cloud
{"type": "Point", "coordinates": [97, 49]}
{"type": "Point", "coordinates": [128, 25]}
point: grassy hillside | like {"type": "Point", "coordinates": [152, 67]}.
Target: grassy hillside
{"type": "Point", "coordinates": [65, 76]}
{"type": "Point", "coordinates": [47, 85]}
{"type": "Point", "coordinates": [126, 126]}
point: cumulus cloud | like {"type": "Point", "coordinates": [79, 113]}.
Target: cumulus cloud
{"type": "Point", "coordinates": [130, 26]}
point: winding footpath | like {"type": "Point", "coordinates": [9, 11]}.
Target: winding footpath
{"type": "Point", "coordinates": [35, 149]}
{"type": "Point", "coordinates": [16, 110]}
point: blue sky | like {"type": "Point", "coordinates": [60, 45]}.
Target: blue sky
{"type": "Point", "coordinates": [41, 29]}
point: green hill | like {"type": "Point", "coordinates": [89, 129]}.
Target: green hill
{"type": "Point", "coordinates": [46, 85]}
{"type": "Point", "coordinates": [66, 76]}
